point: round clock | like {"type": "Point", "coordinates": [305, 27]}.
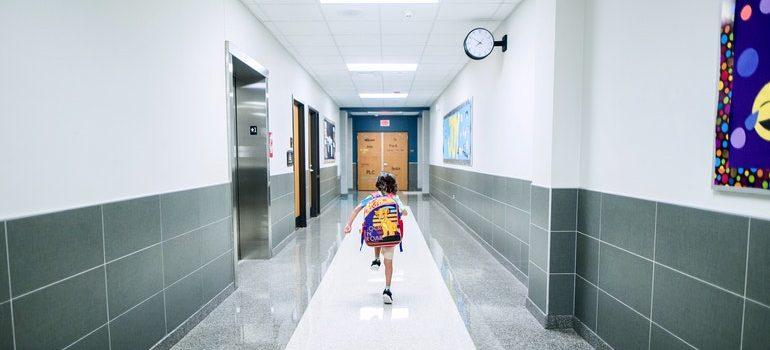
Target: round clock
{"type": "Point", "coordinates": [479, 43]}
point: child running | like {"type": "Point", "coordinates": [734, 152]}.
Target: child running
{"type": "Point", "coordinates": [386, 186]}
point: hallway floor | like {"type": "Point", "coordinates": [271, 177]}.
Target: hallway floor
{"type": "Point", "coordinates": [273, 295]}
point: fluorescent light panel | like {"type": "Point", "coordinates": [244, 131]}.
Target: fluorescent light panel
{"type": "Point", "coordinates": [379, 1]}
{"type": "Point", "coordinates": [386, 95]}
{"type": "Point", "coordinates": [382, 67]}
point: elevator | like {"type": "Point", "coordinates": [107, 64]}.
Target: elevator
{"type": "Point", "coordinates": [249, 162]}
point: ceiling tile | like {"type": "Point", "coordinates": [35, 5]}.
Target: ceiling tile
{"type": "Point", "coordinates": [307, 51]}
{"type": "Point", "coordinates": [357, 39]}
{"type": "Point", "coordinates": [406, 27]}
{"type": "Point", "coordinates": [351, 12]}
{"type": "Point", "coordinates": [348, 51]}
{"type": "Point", "coordinates": [444, 50]}
{"type": "Point", "coordinates": [322, 59]}
{"type": "Point", "coordinates": [475, 11]}
{"type": "Point", "coordinates": [446, 39]}
{"type": "Point", "coordinates": [292, 12]}
{"type": "Point", "coordinates": [363, 59]}
{"type": "Point", "coordinates": [446, 58]}
{"type": "Point", "coordinates": [414, 58]}
{"type": "Point", "coordinates": [402, 50]}
{"type": "Point", "coordinates": [418, 12]}
{"type": "Point", "coordinates": [354, 27]}
{"type": "Point", "coordinates": [457, 27]}
{"type": "Point", "coordinates": [324, 37]}
{"type": "Point", "coordinates": [404, 39]}
{"type": "Point", "coordinates": [302, 28]}
{"type": "Point", "coordinates": [310, 40]}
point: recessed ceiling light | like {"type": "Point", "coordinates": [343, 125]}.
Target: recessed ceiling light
{"type": "Point", "coordinates": [379, 1]}
{"type": "Point", "coordinates": [382, 67]}
{"type": "Point", "coordinates": [385, 95]}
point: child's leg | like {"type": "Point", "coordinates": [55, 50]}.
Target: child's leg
{"type": "Point", "coordinates": [388, 255]}
{"type": "Point", "coordinates": [377, 252]}
{"type": "Point", "coordinates": [388, 272]}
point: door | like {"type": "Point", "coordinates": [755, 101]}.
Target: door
{"type": "Point", "coordinates": [298, 147]}
{"type": "Point", "coordinates": [315, 164]}
{"type": "Point", "coordinates": [396, 157]}
{"type": "Point", "coordinates": [251, 172]}
{"type": "Point", "coordinates": [382, 151]}
{"type": "Point", "coordinates": [369, 159]}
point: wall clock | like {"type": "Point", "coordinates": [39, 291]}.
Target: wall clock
{"type": "Point", "coordinates": [480, 42]}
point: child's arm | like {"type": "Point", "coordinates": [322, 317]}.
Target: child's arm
{"type": "Point", "coordinates": [348, 226]}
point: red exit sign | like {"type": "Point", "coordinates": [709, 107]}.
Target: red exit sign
{"type": "Point", "coordinates": [384, 122]}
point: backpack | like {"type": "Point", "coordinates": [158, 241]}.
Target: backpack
{"type": "Point", "coordinates": [382, 225]}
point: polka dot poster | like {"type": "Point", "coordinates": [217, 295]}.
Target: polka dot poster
{"type": "Point", "coordinates": [742, 144]}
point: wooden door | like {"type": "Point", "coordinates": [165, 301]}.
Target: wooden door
{"type": "Point", "coordinates": [369, 159]}
{"type": "Point", "coordinates": [379, 152]}
{"type": "Point", "coordinates": [396, 157]}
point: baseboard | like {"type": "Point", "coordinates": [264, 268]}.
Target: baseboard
{"type": "Point", "coordinates": [173, 337]}
{"type": "Point", "coordinates": [283, 244]}
{"type": "Point", "coordinates": [590, 336]}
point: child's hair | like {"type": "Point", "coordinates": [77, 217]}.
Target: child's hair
{"type": "Point", "coordinates": [386, 183]}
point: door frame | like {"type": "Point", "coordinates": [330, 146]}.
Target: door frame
{"type": "Point", "coordinates": [232, 160]}
{"type": "Point", "coordinates": [315, 162]}
{"type": "Point", "coordinates": [300, 219]}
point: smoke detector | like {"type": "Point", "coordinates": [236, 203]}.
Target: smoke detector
{"type": "Point", "coordinates": [408, 14]}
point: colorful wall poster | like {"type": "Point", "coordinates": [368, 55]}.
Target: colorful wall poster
{"type": "Point", "coordinates": [458, 135]}
{"type": "Point", "coordinates": [742, 144]}
{"type": "Point", "coordinates": [330, 141]}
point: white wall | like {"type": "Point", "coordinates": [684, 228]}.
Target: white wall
{"type": "Point", "coordinates": [287, 79]}
{"type": "Point", "coordinates": [650, 103]}
{"type": "Point", "coordinates": [567, 93]}
{"type": "Point", "coordinates": [503, 108]}
{"type": "Point", "coordinates": [101, 101]}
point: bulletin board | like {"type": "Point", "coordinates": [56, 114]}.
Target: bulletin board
{"type": "Point", "coordinates": [742, 141]}
{"type": "Point", "coordinates": [458, 135]}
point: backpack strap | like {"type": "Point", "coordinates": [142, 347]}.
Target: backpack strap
{"type": "Point", "coordinates": [362, 241]}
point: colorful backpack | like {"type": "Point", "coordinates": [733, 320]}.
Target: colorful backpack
{"type": "Point", "coordinates": [382, 225]}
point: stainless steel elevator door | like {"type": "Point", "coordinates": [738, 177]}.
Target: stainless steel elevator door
{"type": "Point", "coordinates": [252, 164]}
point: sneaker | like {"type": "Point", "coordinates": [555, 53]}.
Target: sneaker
{"type": "Point", "coordinates": [387, 296]}
{"type": "Point", "coordinates": [375, 264]}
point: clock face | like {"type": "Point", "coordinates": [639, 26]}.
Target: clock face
{"type": "Point", "coordinates": [479, 43]}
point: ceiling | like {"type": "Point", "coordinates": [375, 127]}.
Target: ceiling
{"type": "Point", "coordinates": [325, 37]}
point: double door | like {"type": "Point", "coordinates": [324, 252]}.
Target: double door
{"type": "Point", "coordinates": [382, 151]}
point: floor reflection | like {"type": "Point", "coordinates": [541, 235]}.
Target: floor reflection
{"type": "Point", "coordinates": [273, 294]}
{"type": "Point", "coordinates": [490, 300]}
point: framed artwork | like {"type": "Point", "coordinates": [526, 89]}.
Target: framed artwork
{"type": "Point", "coordinates": [458, 136]}
{"type": "Point", "coordinates": [742, 142]}
{"type": "Point", "coordinates": [330, 141]}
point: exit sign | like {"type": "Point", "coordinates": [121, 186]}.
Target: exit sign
{"type": "Point", "coordinates": [385, 122]}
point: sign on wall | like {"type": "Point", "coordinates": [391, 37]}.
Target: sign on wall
{"type": "Point", "coordinates": [330, 141]}
{"type": "Point", "coordinates": [457, 134]}
{"type": "Point", "coordinates": [742, 144]}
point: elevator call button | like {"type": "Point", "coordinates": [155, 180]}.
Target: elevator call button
{"type": "Point", "coordinates": [253, 129]}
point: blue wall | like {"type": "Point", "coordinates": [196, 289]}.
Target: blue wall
{"type": "Point", "coordinates": [397, 124]}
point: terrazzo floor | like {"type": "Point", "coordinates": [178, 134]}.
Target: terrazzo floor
{"type": "Point", "coordinates": [273, 294]}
